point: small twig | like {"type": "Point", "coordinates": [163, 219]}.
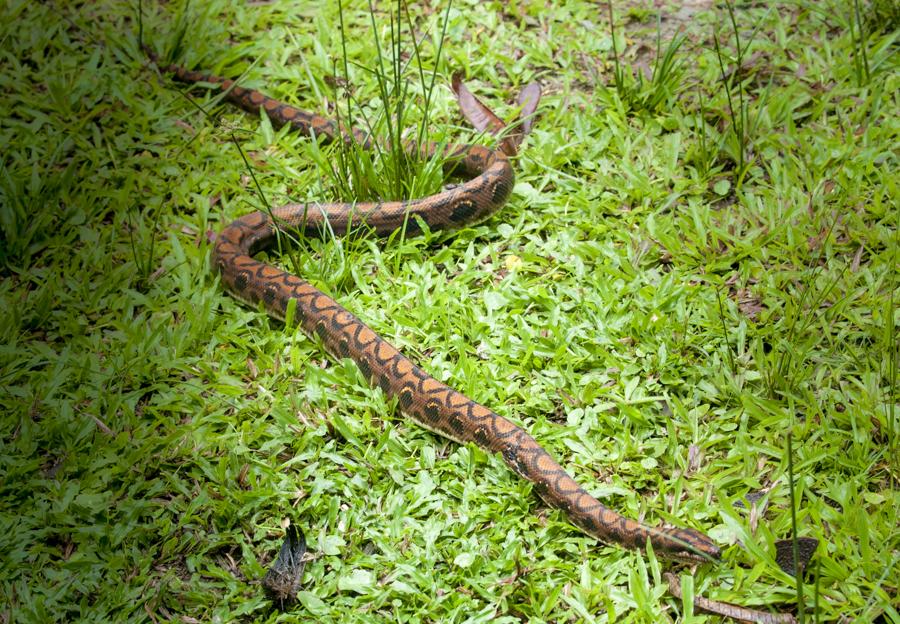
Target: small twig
{"type": "Point", "coordinates": [742, 614]}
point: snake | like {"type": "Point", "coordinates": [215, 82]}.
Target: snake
{"type": "Point", "coordinates": [489, 179]}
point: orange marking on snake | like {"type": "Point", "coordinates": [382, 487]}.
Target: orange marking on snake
{"type": "Point", "coordinates": [431, 385]}
{"type": "Point", "coordinates": [490, 182]}
{"type": "Point", "coordinates": [480, 411]}
{"type": "Point", "coordinates": [545, 464]}
{"type": "Point", "coordinates": [366, 336]}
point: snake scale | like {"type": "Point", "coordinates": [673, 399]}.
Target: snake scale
{"type": "Point", "coordinates": [427, 401]}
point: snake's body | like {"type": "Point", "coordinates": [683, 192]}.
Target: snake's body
{"type": "Point", "coordinates": [421, 397]}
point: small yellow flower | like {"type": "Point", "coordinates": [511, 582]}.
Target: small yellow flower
{"type": "Point", "coordinates": [513, 262]}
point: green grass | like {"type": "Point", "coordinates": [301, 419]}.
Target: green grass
{"type": "Point", "coordinates": [657, 327]}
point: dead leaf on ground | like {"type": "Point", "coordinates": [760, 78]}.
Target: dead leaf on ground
{"type": "Point", "coordinates": [337, 82]}
{"type": "Point", "coordinates": [693, 459]}
{"type": "Point", "coordinates": [185, 126]}
{"type": "Point", "coordinates": [784, 553]}
{"type": "Point", "coordinates": [857, 259]}
{"type": "Point", "coordinates": [749, 304]}
{"type": "Point", "coordinates": [258, 159]}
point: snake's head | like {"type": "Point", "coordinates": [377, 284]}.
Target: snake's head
{"type": "Point", "coordinates": [685, 545]}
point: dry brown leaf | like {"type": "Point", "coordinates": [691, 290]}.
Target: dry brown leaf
{"type": "Point", "coordinates": [784, 553]}
{"type": "Point", "coordinates": [336, 82]}
{"type": "Point", "coordinates": [102, 426]}
{"type": "Point", "coordinates": [529, 98]}
{"type": "Point", "coordinates": [485, 120]}
{"type": "Point", "coordinates": [749, 304]}
{"type": "Point", "coordinates": [693, 459]}
{"type": "Point", "coordinates": [258, 159]}
{"type": "Point", "coordinates": [477, 113]}
{"type": "Point", "coordinates": [755, 514]}
{"type": "Point", "coordinates": [857, 259]}
{"type": "Point", "coordinates": [185, 126]}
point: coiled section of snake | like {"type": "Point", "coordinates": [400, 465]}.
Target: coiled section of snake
{"type": "Point", "coordinates": [420, 396]}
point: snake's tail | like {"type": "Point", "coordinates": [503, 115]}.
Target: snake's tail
{"type": "Point", "coordinates": [251, 100]}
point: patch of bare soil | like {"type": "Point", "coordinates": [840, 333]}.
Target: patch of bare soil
{"type": "Point", "coordinates": [643, 21]}
{"type": "Point", "coordinates": [677, 15]}
{"type": "Point", "coordinates": [674, 17]}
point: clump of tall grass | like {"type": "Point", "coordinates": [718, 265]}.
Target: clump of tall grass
{"type": "Point", "coordinates": [387, 156]}
{"type": "Point", "coordinates": [654, 92]}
